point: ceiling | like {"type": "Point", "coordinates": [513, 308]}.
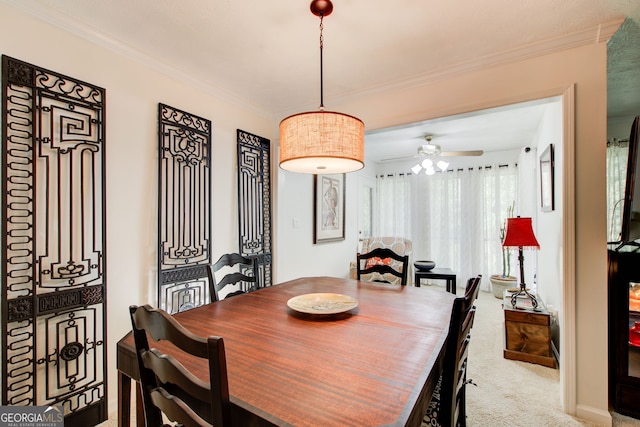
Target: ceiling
{"type": "Point", "coordinates": [265, 54]}
{"type": "Point", "coordinates": [495, 129]}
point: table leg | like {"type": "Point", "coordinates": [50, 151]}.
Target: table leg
{"type": "Point", "coordinates": [453, 285]}
{"type": "Point", "coordinates": [416, 281]}
{"type": "Point", "coordinates": [124, 400]}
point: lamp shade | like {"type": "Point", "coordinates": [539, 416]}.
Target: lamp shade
{"type": "Point", "coordinates": [321, 142]}
{"type": "Point", "coordinates": [520, 234]}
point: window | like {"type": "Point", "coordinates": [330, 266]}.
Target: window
{"type": "Point", "coordinates": [452, 218]}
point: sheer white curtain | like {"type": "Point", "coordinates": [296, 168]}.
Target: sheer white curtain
{"type": "Point", "coordinates": [394, 196]}
{"type": "Point", "coordinates": [617, 154]}
{"type": "Point", "coordinates": [452, 218]}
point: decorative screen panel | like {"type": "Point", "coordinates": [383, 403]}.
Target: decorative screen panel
{"type": "Point", "coordinates": [184, 209]}
{"type": "Point", "coordinates": [254, 201]}
{"type": "Point", "coordinates": [53, 242]}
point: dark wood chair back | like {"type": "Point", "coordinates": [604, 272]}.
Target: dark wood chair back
{"type": "Point", "coordinates": [383, 261]}
{"type": "Point", "coordinates": [454, 375]}
{"type": "Point", "coordinates": [233, 271]}
{"type": "Point", "coordinates": [168, 387]}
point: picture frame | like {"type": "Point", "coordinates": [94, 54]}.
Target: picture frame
{"type": "Point", "coordinates": [328, 207]}
{"type": "Point", "coordinates": [547, 196]}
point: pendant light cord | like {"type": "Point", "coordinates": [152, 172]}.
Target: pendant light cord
{"type": "Point", "coordinates": [321, 67]}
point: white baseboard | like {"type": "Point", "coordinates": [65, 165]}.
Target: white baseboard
{"type": "Point", "coordinates": [593, 415]}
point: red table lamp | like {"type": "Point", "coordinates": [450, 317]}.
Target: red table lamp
{"type": "Point", "coordinates": [520, 234]}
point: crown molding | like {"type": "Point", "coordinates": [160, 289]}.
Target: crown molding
{"type": "Point", "coordinates": [109, 42]}
{"type": "Point", "coordinates": [597, 34]}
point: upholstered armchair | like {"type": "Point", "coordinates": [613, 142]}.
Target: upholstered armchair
{"type": "Point", "coordinates": [399, 245]}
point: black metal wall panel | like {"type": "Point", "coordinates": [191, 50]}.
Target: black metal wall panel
{"type": "Point", "coordinates": [53, 242]}
{"type": "Point", "coordinates": [184, 209]}
{"type": "Point", "coordinates": [254, 201]}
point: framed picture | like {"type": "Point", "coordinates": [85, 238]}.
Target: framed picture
{"type": "Point", "coordinates": [546, 179]}
{"type": "Point", "coordinates": [328, 207]}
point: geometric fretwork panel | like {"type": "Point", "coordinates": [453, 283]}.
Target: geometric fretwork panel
{"type": "Point", "coordinates": [184, 209]}
{"type": "Point", "coordinates": [254, 201]}
{"type": "Point", "coordinates": [184, 288]}
{"type": "Point", "coordinates": [53, 242]}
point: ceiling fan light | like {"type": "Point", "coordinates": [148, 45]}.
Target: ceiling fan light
{"type": "Point", "coordinates": [442, 165]}
{"type": "Point", "coordinates": [430, 170]}
{"type": "Point", "coordinates": [427, 163]}
{"type": "Point", "coordinates": [416, 169]}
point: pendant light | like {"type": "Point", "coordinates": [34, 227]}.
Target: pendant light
{"type": "Point", "coordinates": [321, 142]}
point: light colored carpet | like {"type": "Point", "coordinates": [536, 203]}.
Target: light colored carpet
{"type": "Point", "coordinates": [511, 393]}
{"type": "Point", "coordinates": [508, 393]}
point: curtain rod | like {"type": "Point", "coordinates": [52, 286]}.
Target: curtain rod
{"type": "Point", "coordinates": [482, 167]}
{"type": "Point", "coordinates": [448, 170]}
{"type": "Point", "coordinates": [616, 141]}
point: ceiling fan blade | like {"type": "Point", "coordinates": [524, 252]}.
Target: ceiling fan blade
{"type": "Point", "coordinates": [393, 159]}
{"type": "Point", "coordinates": [461, 153]}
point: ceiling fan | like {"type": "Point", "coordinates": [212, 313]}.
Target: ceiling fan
{"type": "Point", "coordinates": [434, 150]}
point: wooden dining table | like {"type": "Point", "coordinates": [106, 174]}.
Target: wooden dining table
{"type": "Point", "coordinates": [374, 365]}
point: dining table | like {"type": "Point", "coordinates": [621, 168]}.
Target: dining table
{"type": "Point", "coordinates": [374, 363]}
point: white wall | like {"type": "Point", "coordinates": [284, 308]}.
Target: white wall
{"type": "Point", "coordinates": [296, 254]}
{"type": "Point", "coordinates": [133, 91]}
{"type": "Point", "coordinates": [549, 224]}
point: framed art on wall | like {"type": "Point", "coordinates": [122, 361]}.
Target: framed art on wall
{"type": "Point", "coordinates": [546, 179]}
{"type": "Point", "coordinates": [328, 207]}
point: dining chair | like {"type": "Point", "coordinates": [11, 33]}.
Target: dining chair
{"type": "Point", "coordinates": [168, 387]}
{"type": "Point", "coordinates": [448, 405]}
{"type": "Point", "coordinates": [399, 245]}
{"type": "Point", "coordinates": [237, 273]}
{"type": "Point", "coordinates": [382, 265]}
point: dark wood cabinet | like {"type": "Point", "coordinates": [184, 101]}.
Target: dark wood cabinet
{"type": "Point", "coordinates": [624, 312]}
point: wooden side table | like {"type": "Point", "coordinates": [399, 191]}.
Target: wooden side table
{"type": "Point", "coordinates": [437, 273]}
{"type": "Point", "coordinates": [528, 334]}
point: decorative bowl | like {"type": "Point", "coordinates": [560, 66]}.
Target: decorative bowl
{"type": "Point", "coordinates": [424, 265]}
